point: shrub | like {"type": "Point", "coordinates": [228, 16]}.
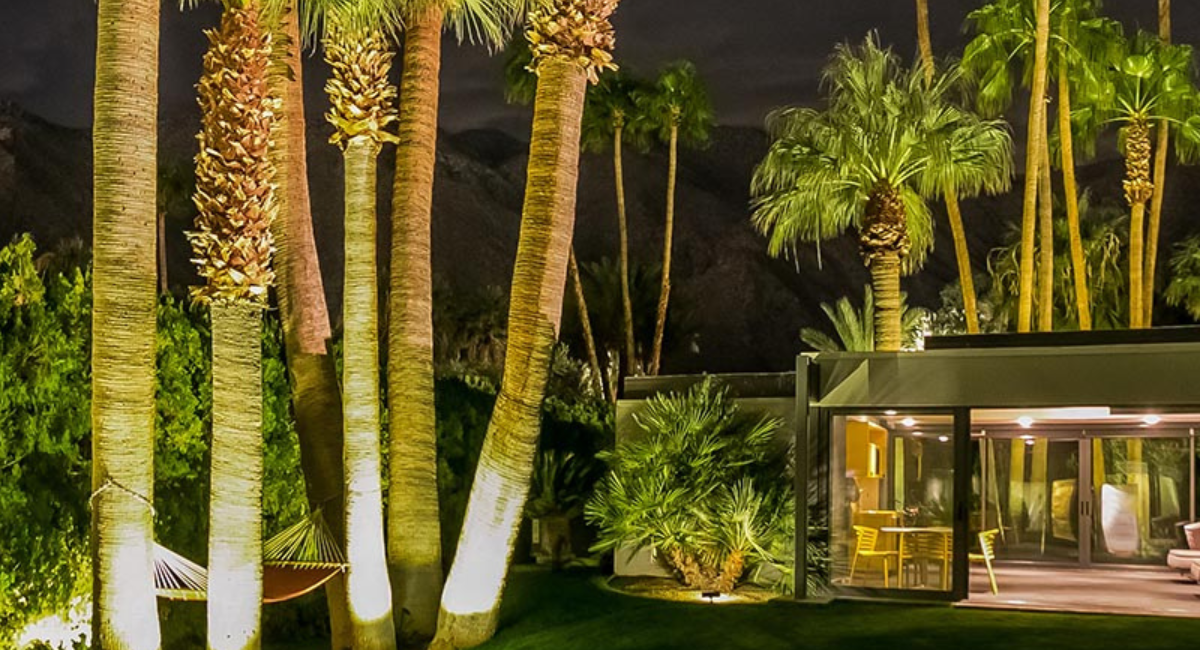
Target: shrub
{"type": "Point", "coordinates": [707, 489]}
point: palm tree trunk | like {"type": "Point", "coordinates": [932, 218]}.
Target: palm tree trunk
{"type": "Point", "coordinates": [300, 290]}
{"type": "Point", "coordinates": [924, 43]}
{"type": "Point", "coordinates": [414, 536]}
{"type": "Point", "coordinates": [368, 591]}
{"type": "Point", "coordinates": [585, 321]}
{"type": "Point", "coordinates": [885, 284]}
{"type": "Point", "coordinates": [235, 501]}
{"type": "Point", "coordinates": [1045, 267]}
{"type": "Point", "coordinates": [631, 363]}
{"type": "Point", "coordinates": [664, 296]}
{"type": "Point", "coordinates": [962, 253]}
{"type": "Point", "coordinates": [470, 603]}
{"type": "Point", "coordinates": [1033, 153]}
{"type": "Point", "coordinates": [1079, 272]}
{"type": "Point", "coordinates": [163, 287]}
{"type": "Point", "coordinates": [1139, 188]}
{"type": "Point", "coordinates": [124, 301]}
{"type": "Point", "coordinates": [1160, 187]}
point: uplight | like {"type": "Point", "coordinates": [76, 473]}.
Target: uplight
{"type": "Point", "coordinates": [1025, 421]}
{"type": "Point", "coordinates": [908, 422]}
{"type": "Point", "coordinates": [1151, 419]}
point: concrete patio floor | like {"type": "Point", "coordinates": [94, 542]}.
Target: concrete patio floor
{"type": "Point", "coordinates": [1147, 591]}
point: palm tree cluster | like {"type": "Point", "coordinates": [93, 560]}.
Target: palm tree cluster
{"type": "Point", "coordinates": [251, 195]}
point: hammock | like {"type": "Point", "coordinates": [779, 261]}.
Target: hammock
{"type": "Point", "coordinates": [297, 561]}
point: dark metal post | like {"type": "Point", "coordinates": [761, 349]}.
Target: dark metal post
{"type": "Point", "coordinates": [962, 503]}
{"type": "Point", "coordinates": [801, 465]}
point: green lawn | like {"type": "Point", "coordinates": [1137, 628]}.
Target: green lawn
{"type": "Point", "coordinates": [573, 611]}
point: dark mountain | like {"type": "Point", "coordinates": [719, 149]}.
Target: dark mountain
{"type": "Point", "coordinates": [741, 310]}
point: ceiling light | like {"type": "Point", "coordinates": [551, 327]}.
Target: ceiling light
{"type": "Point", "coordinates": [943, 438]}
{"type": "Point", "coordinates": [908, 422]}
{"type": "Point", "coordinates": [1027, 437]}
{"type": "Point", "coordinates": [918, 434]}
{"type": "Point", "coordinates": [1029, 442]}
{"type": "Point", "coordinates": [889, 412]}
{"type": "Point", "coordinates": [1025, 421]}
{"type": "Point", "coordinates": [1152, 419]}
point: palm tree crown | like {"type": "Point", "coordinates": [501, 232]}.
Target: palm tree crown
{"type": "Point", "coordinates": [677, 100]}
{"type": "Point", "coordinates": [884, 137]}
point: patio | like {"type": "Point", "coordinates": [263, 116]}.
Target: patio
{"type": "Point", "coordinates": [1142, 591]}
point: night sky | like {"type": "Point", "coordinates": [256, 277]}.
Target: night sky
{"type": "Point", "coordinates": [755, 54]}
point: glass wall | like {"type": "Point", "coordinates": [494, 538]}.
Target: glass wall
{"type": "Point", "coordinates": [1141, 488]}
{"type": "Point", "coordinates": [892, 498]}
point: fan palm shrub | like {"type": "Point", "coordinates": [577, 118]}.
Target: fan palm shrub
{"type": "Point", "coordinates": [707, 488]}
{"type": "Point", "coordinates": [885, 143]}
{"type": "Point", "coordinates": [855, 328]}
{"type": "Point", "coordinates": [1183, 290]}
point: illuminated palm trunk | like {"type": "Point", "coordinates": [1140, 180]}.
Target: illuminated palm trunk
{"type": "Point", "coordinates": [962, 254]}
{"type": "Point", "coordinates": [585, 322]}
{"type": "Point", "coordinates": [471, 599]}
{"type": "Point", "coordinates": [367, 588]}
{"type": "Point", "coordinates": [124, 299]}
{"type": "Point", "coordinates": [316, 398]}
{"type": "Point", "coordinates": [1139, 188]}
{"type": "Point", "coordinates": [1160, 182]}
{"type": "Point", "coordinates": [1045, 266]}
{"type": "Point", "coordinates": [235, 502]}
{"type": "Point", "coordinates": [1079, 273]}
{"type": "Point", "coordinates": [414, 541]}
{"type": "Point", "coordinates": [631, 363]}
{"type": "Point", "coordinates": [1033, 152]}
{"type": "Point", "coordinates": [664, 295]}
{"type": "Point", "coordinates": [883, 240]}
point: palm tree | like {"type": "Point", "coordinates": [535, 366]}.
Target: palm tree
{"type": "Point", "coordinates": [611, 117]}
{"type": "Point", "coordinates": [855, 328]}
{"type": "Point", "coordinates": [300, 291]}
{"type": "Point", "coordinates": [962, 254]}
{"type": "Point", "coordinates": [232, 249]}
{"type": "Point", "coordinates": [414, 531]}
{"type": "Point", "coordinates": [885, 143]}
{"type": "Point", "coordinates": [1160, 181]}
{"type": "Point", "coordinates": [124, 148]}
{"type": "Point", "coordinates": [585, 322]}
{"type": "Point", "coordinates": [362, 109]}
{"type": "Point", "coordinates": [679, 109]}
{"type": "Point", "coordinates": [1005, 29]}
{"type": "Point", "coordinates": [572, 43]}
{"type": "Point", "coordinates": [1150, 81]}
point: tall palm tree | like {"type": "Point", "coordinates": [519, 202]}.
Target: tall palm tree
{"type": "Point", "coordinates": [585, 323]}
{"type": "Point", "coordinates": [362, 109]}
{"type": "Point", "coordinates": [300, 291]}
{"type": "Point", "coordinates": [1160, 182]}
{"type": "Point", "coordinates": [679, 109]}
{"type": "Point", "coordinates": [572, 43]}
{"type": "Point", "coordinates": [414, 531]}
{"type": "Point", "coordinates": [966, 279]}
{"type": "Point", "coordinates": [124, 299]}
{"type": "Point", "coordinates": [885, 143]}
{"type": "Point", "coordinates": [611, 117]}
{"type": "Point", "coordinates": [232, 248]}
{"type": "Point", "coordinates": [1150, 81]}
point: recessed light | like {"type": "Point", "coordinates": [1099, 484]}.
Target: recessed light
{"type": "Point", "coordinates": [1029, 442]}
{"type": "Point", "coordinates": [1151, 419]}
{"type": "Point", "coordinates": [918, 434]}
{"type": "Point", "coordinates": [908, 422]}
{"type": "Point", "coordinates": [889, 412]}
{"type": "Point", "coordinates": [943, 438]}
{"type": "Point", "coordinates": [1027, 437]}
{"type": "Point", "coordinates": [1025, 421]}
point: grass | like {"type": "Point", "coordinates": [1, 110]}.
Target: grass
{"type": "Point", "coordinates": [573, 610]}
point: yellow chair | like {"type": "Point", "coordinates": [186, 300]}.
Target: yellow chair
{"type": "Point", "coordinates": [924, 547]}
{"type": "Point", "coordinates": [865, 546]}
{"type": "Point", "coordinates": [986, 554]}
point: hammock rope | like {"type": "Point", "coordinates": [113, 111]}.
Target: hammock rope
{"type": "Point", "coordinates": [297, 561]}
